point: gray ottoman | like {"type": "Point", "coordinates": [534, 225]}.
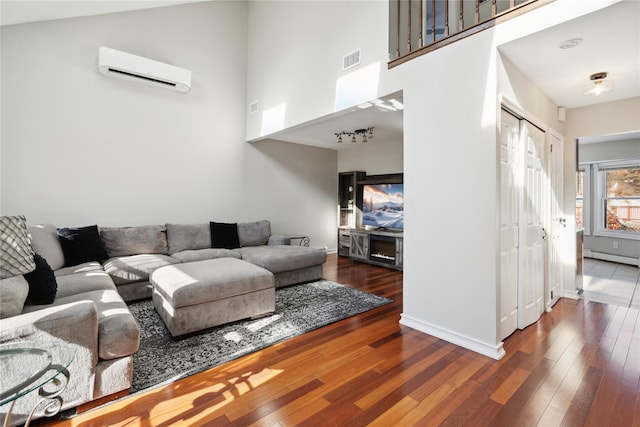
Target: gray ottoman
{"type": "Point", "coordinates": [197, 295]}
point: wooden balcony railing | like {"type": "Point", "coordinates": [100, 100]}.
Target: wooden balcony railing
{"type": "Point", "coordinates": [420, 26]}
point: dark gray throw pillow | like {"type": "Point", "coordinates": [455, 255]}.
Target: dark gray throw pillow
{"type": "Point", "coordinates": [81, 244]}
{"type": "Point", "coordinates": [224, 235]}
{"type": "Point", "coordinates": [42, 283]}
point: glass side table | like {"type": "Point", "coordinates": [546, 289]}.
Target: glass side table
{"type": "Point", "coordinates": [29, 366]}
{"type": "Point", "coordinates": [302, 240]}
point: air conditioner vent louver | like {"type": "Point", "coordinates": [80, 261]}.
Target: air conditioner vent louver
{"type": "Point", "coordinates": [126, 66]}
{"type": "Point", "coordinates": [137, 76]}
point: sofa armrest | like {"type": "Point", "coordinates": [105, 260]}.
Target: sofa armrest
{"type": "Point", "coordinates": [297, 239]}
{"type": "Point", "coordinates": [69, 332]}
{"type": "Point", "coordinates": [58, 324]}
{"type": "Point", "coordinates": [279, 239]}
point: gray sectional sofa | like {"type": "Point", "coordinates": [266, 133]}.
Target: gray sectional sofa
{"type": "Point", "coordinates": [89, 316]}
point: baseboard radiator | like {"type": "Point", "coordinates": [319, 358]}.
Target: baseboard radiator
{"type": "Point", "coordinates": [588, 253]}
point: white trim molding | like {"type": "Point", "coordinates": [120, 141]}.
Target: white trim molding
{"type": "Point", "coordinates": [572, 294]}
{"type": "Point", "coordinates": [588, 253]}
{"type": "Point", "coordinates": [494, 351]}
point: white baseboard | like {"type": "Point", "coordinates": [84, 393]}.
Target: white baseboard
{"type": "Point", "coordinates": [493, 351]}
{"type": "Point", "coordinates": [573, 294]}
{"type": "Point", "coordinates": [588, 253]}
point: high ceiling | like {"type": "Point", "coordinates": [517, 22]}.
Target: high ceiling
{"type": "Point", "coordinates": [610, 42]}
{"type": "Point", "coordinates": [23, 11]}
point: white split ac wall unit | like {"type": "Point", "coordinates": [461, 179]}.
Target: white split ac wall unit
{"type": "Point", "coordinates": [126, 66]}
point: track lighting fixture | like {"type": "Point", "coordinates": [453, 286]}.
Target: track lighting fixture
{"type": "Point", "coordinates": [366, 134]}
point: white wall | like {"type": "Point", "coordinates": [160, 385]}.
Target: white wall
{"type": "Point", "coordinates": [79, 148]}
{"type": "Point", "coordinates": [450, 114]}
{"type": "Point", "coordinates": [295, 60]}
{"type": "Point", "coordinates": [376, 157]}
{"type": "Point", "coordinates": [450, 166]}
{"type": "Point", "coordinates": [603, 119]}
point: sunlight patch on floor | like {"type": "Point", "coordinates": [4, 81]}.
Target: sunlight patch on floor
{"type": "Point", "coordinates": [206, 400]}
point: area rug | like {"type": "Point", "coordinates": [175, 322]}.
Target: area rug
{"type": "Point", "coordinates": [301, 308]}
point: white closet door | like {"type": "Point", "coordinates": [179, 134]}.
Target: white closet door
{"type": "Point", "coordinates": [532, 233]}
{"type": "Point", "coordinates": [510, 170]}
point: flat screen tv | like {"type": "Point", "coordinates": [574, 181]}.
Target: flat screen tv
{"type": "Point", "coordinates": [383, 206]}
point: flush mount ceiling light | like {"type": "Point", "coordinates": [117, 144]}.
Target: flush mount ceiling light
{"type": "Point", "coordinates": [598, 85]}
{"type": "Point", "coordinates": [366, 134]}
{"type": "Point", "coordinates": [571, 43]}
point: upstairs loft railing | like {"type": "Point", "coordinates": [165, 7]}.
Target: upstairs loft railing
{"type": "Point", "coordinates": [420, 26]}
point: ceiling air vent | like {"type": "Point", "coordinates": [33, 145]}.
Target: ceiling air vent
{"type": "Point", "coordinates": [351, 60]}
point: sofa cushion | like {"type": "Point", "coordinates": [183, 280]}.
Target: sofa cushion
{"type": "Point", "coordinates": [188, 284]}
{"type": "Point", "coordinates": [13, 294]}
{"type": "Point", "coordinates": [118, 331]}
{"type": "Point", "coordinates": [80, 268]}
{"type": "Point", "coordinates": [81, 244]}
{"type": "Point", "coordinates": [42, 282]}
{"type": "Point", "coordinates": [145, 239]}
{"type": "Point", "coordinates": [83, 281]}
{"type": "Point", "coordinates": [278, 259]}
{"type": "Point", "coordinates": [45, 241]}
{"type": "Point", "coordinates": [16, 257]}
{"type": "Point", "coordinates": [135, 268]}
{"type": "Point", "coordinates": [203, 254]}
{"type": "Point", "coordinates": [182, 237]}
{"type": "Point", "coordinates": [254, 233]}
{"type": "Point", "coordinates": [224, 235]}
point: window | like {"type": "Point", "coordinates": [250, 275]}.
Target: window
{"type": "Point", "coordinates": [618, 206]}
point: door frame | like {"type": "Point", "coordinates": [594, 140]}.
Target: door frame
{"type": "Point", "coordinates": [559, 224]}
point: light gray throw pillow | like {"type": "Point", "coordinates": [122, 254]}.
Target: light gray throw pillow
{"type": "Point", "coordinates": [124, 241]}
{"type": "Point", "coordinates": [16, 256]}
{"type": "Point", "coordinates": [45, 242]}
{"type": "Point", "coordinates": [254, 233]}
{"type": "Point", "coordinates": [183, 237]}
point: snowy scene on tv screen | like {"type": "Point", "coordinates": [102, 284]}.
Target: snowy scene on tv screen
{"type": "Point", "coordinates": [383, 205]}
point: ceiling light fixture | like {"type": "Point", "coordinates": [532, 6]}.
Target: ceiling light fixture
{"type": "Point", "coordinates": [598, 84]}
{"type": "Point", "coordinates": [366, 135]}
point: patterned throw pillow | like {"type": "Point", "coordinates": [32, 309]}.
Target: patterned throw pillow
{"type": "Point", "coordinates": [16, 257]}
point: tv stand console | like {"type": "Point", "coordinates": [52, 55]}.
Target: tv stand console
{"type": "Point", "coordinates": [377, 247]}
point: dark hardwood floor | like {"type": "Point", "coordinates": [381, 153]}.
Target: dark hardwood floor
{"type": "Point", "coordinates": [579, 365]}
